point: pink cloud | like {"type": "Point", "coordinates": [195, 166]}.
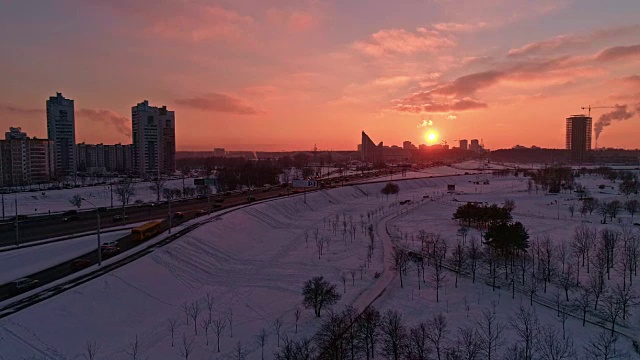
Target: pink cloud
{"type": "Point", "coordinates": [618, 53]}
{"type": "Point", "coordinates": [432, 106]}
{"type": "Point", "coordinates": [218, 103]}
{"type": "Point", "coordinates": [459, 27]}
{"type": "Point", "coordinates": [573, 41]}
{"type": "Point", "coordinates": [204, 23]}
{"type": "Point", "coordinates": [400, 41]}
{"type": "Point", "coordinates": [294, 20]}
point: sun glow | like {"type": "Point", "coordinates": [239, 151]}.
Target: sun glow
{"type": "Point", "coordinates": [431, 136]}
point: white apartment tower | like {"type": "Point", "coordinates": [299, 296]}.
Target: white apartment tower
{"type": "Point", "coordinates": [154, 139]}
{"type": "Point", "coordinates": [61, 130]}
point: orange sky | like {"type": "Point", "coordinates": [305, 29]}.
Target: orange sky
{"type": "Point", "coordinates": [288, 74]}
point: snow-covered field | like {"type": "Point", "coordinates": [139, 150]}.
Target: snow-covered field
{"type": "Point", "coordinates": [254, 262]}
{"type": "Point", "coordinates": [41, 202]}
{"type": "Point", "coordinates": [19, 263]}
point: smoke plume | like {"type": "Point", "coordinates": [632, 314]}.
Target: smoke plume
{"type": "Point", "coordinates": [120, 123]}
{"type": "Point", "coordinates": [619, 114]}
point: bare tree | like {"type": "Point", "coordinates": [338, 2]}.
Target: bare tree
{"type": "Point", "coordinates": [133, 349]}
{"type": "Point", "coordinates": [76, 200]}
{"type": "Point", "coordinates": [437, 333]}
{"type": "Point", "coordinates": [552, 346]}
{"type": "Point", "coordinates": [205, 324]}
{"type": "Point", "coordinates": [306, 235]}
{"type": "Point", "coordinates": [157, 185]}
{"type": "Point", "coordinates": [319, 293]}
{"type": "Point", "coordinates": [468, 344]}
{"type": "Point", "coordinates": [474, 254]}
{"type": "Point", "coordinates": [91, 350]}
{"type": "Point", "coordinates": [565, 280]}
{"type": "Point", "coordinates": [296, 315]}
{"type": "Point", "coordinates": [627, 298]}
{"type": "Point", "coordinates": [612, 310]}
{"type": "Point", "coordinates": [209, 302]}
{"type": "Point", "coordinates": [596, 278]}
{"type": "Point", "coordinates": [603, 347]}
{"type": "Point", "coordinates": [277, 326]}
{"type": "Point", "coordinates": [194, 311]}
{"type": "Point", "coordinates": [418, 346]}
{"type": "Point", "coordinates": [186, 347]}
{"type": "Point", "coordinates": [185, 309]}
{"type": "Point", "coordinates": [125, 190]}
{"type": "Point", "coordinates": [218, 327]}
{"type": "Point", "coordinates": [393, 335]}
{"type": "Point", "coordinates": [572, 209]}
{"type": "Point", "coordinates": [400, 261]}
{"type": "Point", "coordinates": [531, 287]}
{"type": "Point", "coordinates": [343, 278]}
{"type": "Point", "coordinates": [632, 207]}
{"type": "Point", "coordinates": [230, 320]}
{"type": "Point", "coordinates": [172, 325]}
{"type": "Point", "coordinates": [491, 331]}
{"type": "Point", "coordinates": [584, 303]}
{"type": "Point", "coordinates": [438, 276]}
{"type": "Point", "coordinates": [368, 326]}
{"type": "Point", "coordinates": [239, 353]}
{"type": "Point", "coordinates": [525, 323]}
{"type": "Point", "coordinates": [262, 337]}
{"type": "Point", "coordinates": [458, 259]}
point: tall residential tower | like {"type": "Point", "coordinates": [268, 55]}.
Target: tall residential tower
{"type": "Point", "coordinates": [61, 130]}
{"type": "Point", "coordinates": [154, 139]}
{"type": "Point", "coordinates": [578, 137]}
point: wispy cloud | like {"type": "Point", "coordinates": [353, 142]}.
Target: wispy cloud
{"type": "Point", "coordinates": [618, 53]}
{"type": "Point", "coordinates": [216, 102]}
{"type": "Point", "coordinates": [459, 27]}
{"type": "Point", "coordinates": [572, 41]}
{"type": "Point", "coordinates": [10, 108]}
{"type": "Point", "coordinates": [400, 41]}
{"type": "Point", "coordinates": [119, 122]}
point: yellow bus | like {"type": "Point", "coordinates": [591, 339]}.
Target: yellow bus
{"type": "Point", "coordinates": [146, 231]}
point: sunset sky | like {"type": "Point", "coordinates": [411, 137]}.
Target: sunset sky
{"type": "Point", "coordinates": [288, 74]}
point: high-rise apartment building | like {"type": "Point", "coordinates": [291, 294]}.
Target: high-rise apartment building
{"type": "Point", "coordinates": [25, 161]}
{"type": "Point", "coordinates": [154, 139]}
{"type": "Point", "coordinates": [475, 145]}
{"type": "Point", "coordinates": [61, 129]}
{"type": "Point", "coordinates": [464, 145]}
{"type": "Point", "coordinates": [578, 137]}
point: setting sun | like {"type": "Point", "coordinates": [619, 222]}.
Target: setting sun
{"type": "Point", "coordinates": [431, 136]}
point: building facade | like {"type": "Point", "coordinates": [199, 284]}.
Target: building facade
{"type": "Point", "coordinates": [61, 130]}
{"type": "Point", "coordinates": [578, 137]}
{"type": "Point", "coordinates": [25, 161]}
{"type": "Point", "coordinates": [100, 158]}
{"type": "Point", "coordinates": [154, 139]}
{"type": "Point", "coordinates": [464, 145]}
{"type": "Point", "coordinates": [369, 151]}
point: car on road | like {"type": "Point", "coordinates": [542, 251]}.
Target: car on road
{"type": "Point", "coordinates": [71, 218]}
{"type": "Point", "coordinates": [201, 212]}
{"type": "Point", "coordinates": [178, 215]}
{"type": "Point", "coordinates": [109, 244]}
{"type": "Point", "coordinates": [120, 217]}
{"type": "Point", "coordinates": [24, 283]}
{"type": "Point", "coordinates": [110, 251]}
{"type": "Point", "coordinates": [80, 264]}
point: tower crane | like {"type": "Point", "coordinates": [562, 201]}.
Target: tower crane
{"type": "Point", "coordinates": [597, 107]}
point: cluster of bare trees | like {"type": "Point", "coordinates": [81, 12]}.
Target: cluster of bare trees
{"type": "Point", "coordinates": [347, 335]}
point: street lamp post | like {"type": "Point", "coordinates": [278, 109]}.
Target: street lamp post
{"type": "Point", "coordinates": [17, 222]}
{"type": "Point", "coordinates": [99, 244]}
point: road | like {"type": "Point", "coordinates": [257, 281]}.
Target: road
{"type": "Point", "coordinates": [48, 227]}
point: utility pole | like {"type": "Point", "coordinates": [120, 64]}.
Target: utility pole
{"type": "Point", "coordinates": [2, 206]}
{"type": "Point", "coordinates": [99, 242]}
{"type": "Point", "coordinates": [170, 216]}
{"type": "Point", "coordinates": [17, 223]}
{"type": "Point", "coordinates": [111, 191]}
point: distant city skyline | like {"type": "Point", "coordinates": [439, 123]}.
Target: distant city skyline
{"type": "Point", "coordinates": [285, 75]}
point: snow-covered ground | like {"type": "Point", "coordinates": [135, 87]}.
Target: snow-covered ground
{"type": "Point", "coordinates": [254, 262]}
{"type": "Point", "coordinates": [41, 202]}
{"type": "Point", "coordinates": [19, 263]}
